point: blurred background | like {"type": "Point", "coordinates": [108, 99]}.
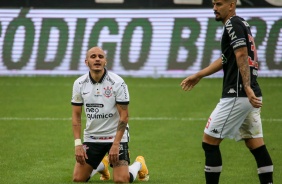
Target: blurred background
{"type": "Point", "coordinates": [160, 41]}
{"type": "Point", "coordinates": [124, 4]}
{"type": "Point", "coordinates": [142, 38]}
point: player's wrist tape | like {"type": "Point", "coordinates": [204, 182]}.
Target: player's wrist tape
{"type": "Point", "coordinates": [77, 142]}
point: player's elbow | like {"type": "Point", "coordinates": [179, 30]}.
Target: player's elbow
{"type": "Point", "coordinates": [124, 120]}
{"type": "Point", "coordinates": [124, 117]}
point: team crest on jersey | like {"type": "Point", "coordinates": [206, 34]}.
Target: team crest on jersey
{"type": "Point", "coordinates": [108, 92]}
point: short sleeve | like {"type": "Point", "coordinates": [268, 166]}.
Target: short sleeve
{"type": "Point", "coordinates": [122, 95]}
{"type": "Point", "coordinates": [237, 33]}
{"type": "Point", "coordinates": [76, 95]}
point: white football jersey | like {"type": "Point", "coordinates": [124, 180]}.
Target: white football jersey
{"type": "Point", "coordinates": [99, 100]}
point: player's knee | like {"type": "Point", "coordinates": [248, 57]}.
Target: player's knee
{"type": "Point", "coordinates": [76, 178]}
{"type": "Point", "coordinates": [121, 179]}
{"type": "Point", "coordinates": [254, 143]}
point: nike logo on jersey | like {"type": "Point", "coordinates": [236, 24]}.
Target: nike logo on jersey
{"type": "Point", "coordinates": [85, 93]}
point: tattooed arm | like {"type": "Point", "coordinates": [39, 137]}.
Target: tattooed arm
{"type": "Point", "coordinates": [243, 65]}
{"type": "Point", "coordinates": [114, 152]}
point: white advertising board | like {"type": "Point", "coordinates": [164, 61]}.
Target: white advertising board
{"type": "Point", "coordinates": [139, 43]}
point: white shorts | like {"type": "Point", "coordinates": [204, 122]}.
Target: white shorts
{"type": "Point", "coordinates": [234, 118]}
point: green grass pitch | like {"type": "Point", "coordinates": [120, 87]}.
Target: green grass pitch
{"type": "Point", "coordinates": [166, 126]}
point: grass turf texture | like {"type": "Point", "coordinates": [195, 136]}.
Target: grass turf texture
{"type": "Point", "coordinates": [166, 126]}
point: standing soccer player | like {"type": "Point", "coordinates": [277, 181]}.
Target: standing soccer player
{"type": "Point", "coordinates": [105, 98]}
{"type": "Point", "coordinates": [237, 115]}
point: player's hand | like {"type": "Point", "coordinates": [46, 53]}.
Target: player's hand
{"type": "Point", "coordinates": [255, 101]}
{"type": "Point", "coordinates": [114, 154]}
{"type": "Point", "coordinates": [80, 154]}
{"type": "Point", "coordinates": [189, 83]}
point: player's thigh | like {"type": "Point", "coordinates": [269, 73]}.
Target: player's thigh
{"type": "Point", "coordinates": [95, 152]}
{"type": "Point", "coordinates": [81, 172]}
{"type": "Point", "coordinates": [227, 117]}
{"type": "Point", "coordinates": [251, 127]}
{"type": "Point", "coordinates": [124, 152]}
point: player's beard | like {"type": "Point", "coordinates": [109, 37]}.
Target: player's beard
{"type": "Point", "coordinates": [217, 18]}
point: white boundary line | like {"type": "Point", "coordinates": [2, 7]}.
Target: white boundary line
{"type": "Point", "coordinates": [132, 118]}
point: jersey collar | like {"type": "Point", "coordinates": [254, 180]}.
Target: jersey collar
{"type": "Point", "coordinates": [102, 78]}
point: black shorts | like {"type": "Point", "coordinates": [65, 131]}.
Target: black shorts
{"type": "Point", "coordinates": [97, 151]}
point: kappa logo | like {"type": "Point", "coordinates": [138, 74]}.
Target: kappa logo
{"type": "Point", "coordinates": [215, 131]}
{"type": "Point", "coordinates": [231, 90]}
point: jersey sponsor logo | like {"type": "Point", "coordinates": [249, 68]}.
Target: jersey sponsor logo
{"type": "Point", "coordinates": [99, 116]}
{"type": "Point", "coordinates": [230, 30]}
{"type": "Point", "coordinates": [223, 58]}
{"type": "Point", "coordinates": [101, 138]}
{"type": "Point", "coordinates": [84, 81]}
{"type": "Point", "coordinates": [95, 105]}
{"type": "Point", "coordinates": [110, 80]}
{"type": "Point", "coordinates": [108, 92]}
{"type": "Point", "coordinates": [97, 94]}
{"type": "Point", "coordinates": [123, 85]}
{"type": "Point", "coordinates": [93, 113]}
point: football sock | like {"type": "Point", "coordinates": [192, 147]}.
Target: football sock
{"type": "Point", "coordinates": [213, 163]}
{"type": "Point", "coordinates": [264, 164]}
{"type": "Point", "coordinates": [131, 178]}
{"type": "Point", "coordinates": [100, 167]}
{"type": "Point", "coordinates": [133, 170]}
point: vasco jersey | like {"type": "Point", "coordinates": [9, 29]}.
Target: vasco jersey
{"type": "Point", "coordinates": [99, 101]}
{"type": "Point", "coordinates": [237, 34]}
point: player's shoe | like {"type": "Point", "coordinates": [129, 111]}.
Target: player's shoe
{"type": "Point", "coordinates": [105, 174]}
{"type": "Point", "coordinates": [143, 174]}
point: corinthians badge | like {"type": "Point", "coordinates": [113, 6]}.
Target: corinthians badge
{"type": "Point", "coordinates": [108, 92]}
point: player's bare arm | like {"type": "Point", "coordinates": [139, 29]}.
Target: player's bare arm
{"type": "Point", "coordinates": [122, 124]}
{"type": "Point", "coordinates": [243, 65]}
{"type": "Point", "coordinates": [189, 83]}
{"type": "Point", "coordinates": [80, 154]}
